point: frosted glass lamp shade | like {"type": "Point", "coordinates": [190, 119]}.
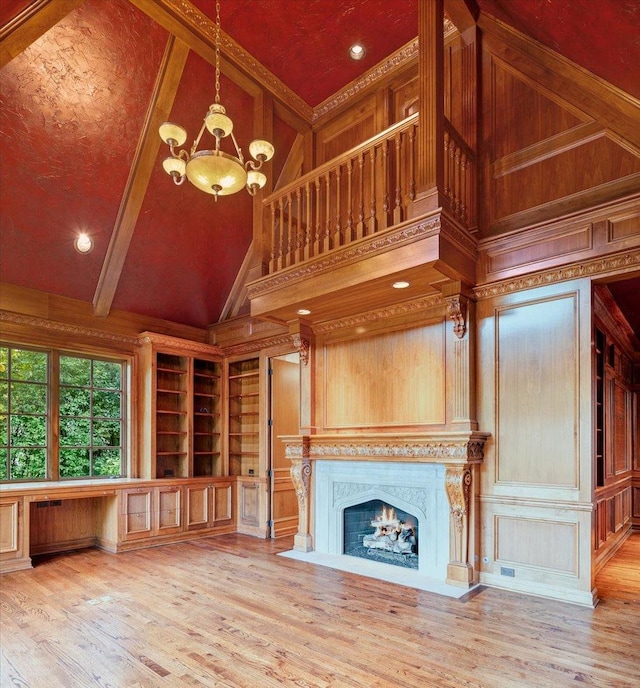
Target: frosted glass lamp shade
{"type": "Point", "coordinates": [216, 173]}
{"type": "Point", "coordinates": [217, 121]}
{"type": "Point", "coordinates": [261, 150]}
{"type": "Point", "coordinates": [256, 179]}
{"type": "Point", "coordinates": [174, 165]}
{"type": "Point", "coordinates": [170, 132]}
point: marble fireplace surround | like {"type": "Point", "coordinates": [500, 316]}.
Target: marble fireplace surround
{"type": "Point", "coordinates": [430, 475]}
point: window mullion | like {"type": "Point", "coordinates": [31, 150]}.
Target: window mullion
{"type": "Point", "coordinates": [54, 416]}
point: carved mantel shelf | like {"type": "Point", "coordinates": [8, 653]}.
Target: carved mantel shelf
{"type": "Point", "coordinates": [445, 447]}
{"type": "Point", "coordinates": [459, 452]}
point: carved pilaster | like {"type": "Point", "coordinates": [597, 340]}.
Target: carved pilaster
{"type": "Point", "coordinates": [458, 487]}
{"type": "Point", "coordinates": [301, 476]}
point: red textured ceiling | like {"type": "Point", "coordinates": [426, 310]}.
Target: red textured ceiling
{"type": "Point", "coordinates": [603, 36]}
{"type": "Point", "coordinates": [305, 43]}
{"type": "Point", "coordinates": [72, 106]}
{"type": "Point", "coordinates": [194, 244]}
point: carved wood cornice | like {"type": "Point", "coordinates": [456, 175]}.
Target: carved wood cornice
{"type": "Point", "coordinates": [73, 330]}
{"type": "Point", "coordinates": [164, 341]}
{"type": "Point", "coordinates": [403, 57]}
{"type": "Point", "coordinates": [398, 309]}
{"type": "Point", "coordinates": [256, 345]}
{"type": "Point", "coordinates": [205, 28]}
{"type": "Point", "coordinates": [437, 447]}
{"type": "Point", "coordinates": [627, 261]}
{"type": "Point", "coordinates": [350, 254]}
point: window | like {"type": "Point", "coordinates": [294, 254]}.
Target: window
{"type": "Point", "coordinates": [69, 424]}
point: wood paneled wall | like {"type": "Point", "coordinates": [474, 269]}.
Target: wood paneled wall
{"type": "Point", "coordinates": [548, 147]}
{"type": "Point", "coordinates": [534, 398]}
{"type": "Point", "coordinates": [384, 380]}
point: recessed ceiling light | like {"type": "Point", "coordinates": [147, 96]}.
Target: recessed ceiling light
{"type": "Point", "coordinates": [303, 311]}
{"type": "Point", "coordinates": [357, 51]}
{"type": "Point", "coordinates": [83, 243]}
{"type": "Point", "coordinates": [400, 285]}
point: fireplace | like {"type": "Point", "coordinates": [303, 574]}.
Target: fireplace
{"type": "Point", "coordinates": [382, 533]}
{"type": "Point", "coordinates": [425, 476]}
{"type": "Point", "coordinates": [415, 491]}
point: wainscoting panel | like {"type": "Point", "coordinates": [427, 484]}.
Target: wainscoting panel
{"type": "Point", "coordinates": [544, 544]}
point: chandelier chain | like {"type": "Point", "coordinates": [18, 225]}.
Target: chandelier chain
{"type": "Point", "coordinates": [217, 99]}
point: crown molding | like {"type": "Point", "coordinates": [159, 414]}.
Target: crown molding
{"type": "Point", "coordinates": [621, 262]}
{"type": "Point", "coordinates": [31, 321]}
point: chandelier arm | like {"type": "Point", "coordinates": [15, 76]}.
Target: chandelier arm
{"type": "Point", "coordinates": [196, 143]}
{"type": "Point", "coordinates": [238, 149]}
{"type": "Point", "coordinates": [253, 165]}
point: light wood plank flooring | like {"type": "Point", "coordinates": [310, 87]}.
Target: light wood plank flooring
{"type": "Point", "coordinates": [228, 612]}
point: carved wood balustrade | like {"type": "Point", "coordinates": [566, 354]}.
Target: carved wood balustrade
{"type": "Point", "coordinates": [362, 192]}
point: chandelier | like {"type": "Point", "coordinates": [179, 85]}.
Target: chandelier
{"type": "Point", "coordinates": [214, 171]}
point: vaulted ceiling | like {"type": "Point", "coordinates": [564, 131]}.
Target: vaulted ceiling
{"type": "Point", "coordinates": [81, 100]}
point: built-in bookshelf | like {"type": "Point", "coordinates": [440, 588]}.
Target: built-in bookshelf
{"type": "Point", "coordinates": [207, 400]}
{"type": "Point", "coordinates": [244, 398]}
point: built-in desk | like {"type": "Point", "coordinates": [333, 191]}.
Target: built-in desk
{"type": "Point", "coordinates": [113, 514]}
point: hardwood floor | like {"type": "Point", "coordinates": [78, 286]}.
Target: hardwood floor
{"type": "Point", "coordinates": [227, 612]}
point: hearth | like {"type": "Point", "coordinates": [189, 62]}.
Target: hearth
{"type": "Point", "coordinates": [382, 533]}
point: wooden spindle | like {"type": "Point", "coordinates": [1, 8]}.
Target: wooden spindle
{"type": "Point", "coordinates": [349, 228]}
{"type": "Point", "coordinates": [371, 228]}
{"type": "Point", "coordinates": [384, 220]}
{"type": "Point", "coordinates": [397, 211]}
{"type": "Point", "coordinates": [308, 229]}
{"type": "Point", "coordinates": [360, 224]}
{"type": "Point", "coordinates": [412, 156]}
{"type": "Point", "coordinates": [326, 239]}
{"type": "Point", "coordinates": [316, 240]}
{"type": "Point", "coordinates": [274, 237]}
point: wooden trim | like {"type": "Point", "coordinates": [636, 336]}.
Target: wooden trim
{"type": "Point", "coordinates": [550, 147]}
{"type": "Point", "coordinates": [238, 294]}
{"type": "Point", "coordinates": [186, 22]}
{"type": "Point", "coordinates": [404, 57]}
{"type": "Point", "coordinates": [602, 101]}
{"type": "Point", "coordinates": [140, 173]}
{"type": "Point", "coordinates": [615, 264]}
{"type": "Point", "coordinates": [34, 21]}
{"type": "Point", "coordinates": [574, 203]}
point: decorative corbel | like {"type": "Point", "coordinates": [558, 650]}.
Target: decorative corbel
{"type": "Point", "coordinates": [301, 477]}
{"type": "Point", "coordinates": [457, 311]}
{"type": "Point", "coordinates": [458, 489]}
{"type": "Point", "coordinates": [302, 345]}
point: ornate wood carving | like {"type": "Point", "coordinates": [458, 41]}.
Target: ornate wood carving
{"type": "Point", "coordinates": [301, 477]}
{"type": "Point", "coordinates": [457, 311]}
{"type": "Point", "coordinates": [598, 266]}
{"type": "Point", "coordinates": [73, 330]}
{"type": "Point", "coordinates": [302, 346]}
{"type": "Point", "coordinates": [458, 488]}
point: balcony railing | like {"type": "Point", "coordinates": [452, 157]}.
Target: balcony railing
{"type": "Point", "coordinates": [363, 191]}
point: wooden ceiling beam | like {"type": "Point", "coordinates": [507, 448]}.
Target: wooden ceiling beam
{"type": "Point", "coordinates": [160, 105]}
{"type": "Point", "coordinates": [34, 21]}
{"type": "Point", "coordinates": [188, 24]}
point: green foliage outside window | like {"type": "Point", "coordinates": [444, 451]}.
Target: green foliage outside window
{"type": "Point", "coordinates": [91, 403]}
{"type": "Point", "coordinates": [90, 417]}
{"type": "Point", "coordinates": [23, 414]}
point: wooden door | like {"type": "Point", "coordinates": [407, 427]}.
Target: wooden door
{"type": "Point", "coordinates": [285, 420]}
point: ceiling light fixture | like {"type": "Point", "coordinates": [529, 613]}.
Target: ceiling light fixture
{"type": "Point", "coordinates": [214, 171]}
{"type": "Point", "coordinates": [357, 51]}
{"type": "Point", "coordinates": [303, 311]}
{"type": "Point", "coordinates": [400, 285]}
{"type": "Point", "coordinates": [83, 243]}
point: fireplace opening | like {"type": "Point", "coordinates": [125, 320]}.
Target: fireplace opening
{"type": "Point", "coordinates": [381, 532]}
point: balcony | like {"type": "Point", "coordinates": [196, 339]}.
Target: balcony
{"type": "Point", "coordinates": [342, 234]}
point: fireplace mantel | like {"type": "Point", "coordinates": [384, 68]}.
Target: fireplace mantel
{"type": "Point", "coordinates": [447, 447]}
{"type": "Point", "coordinates": [459, 451]}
